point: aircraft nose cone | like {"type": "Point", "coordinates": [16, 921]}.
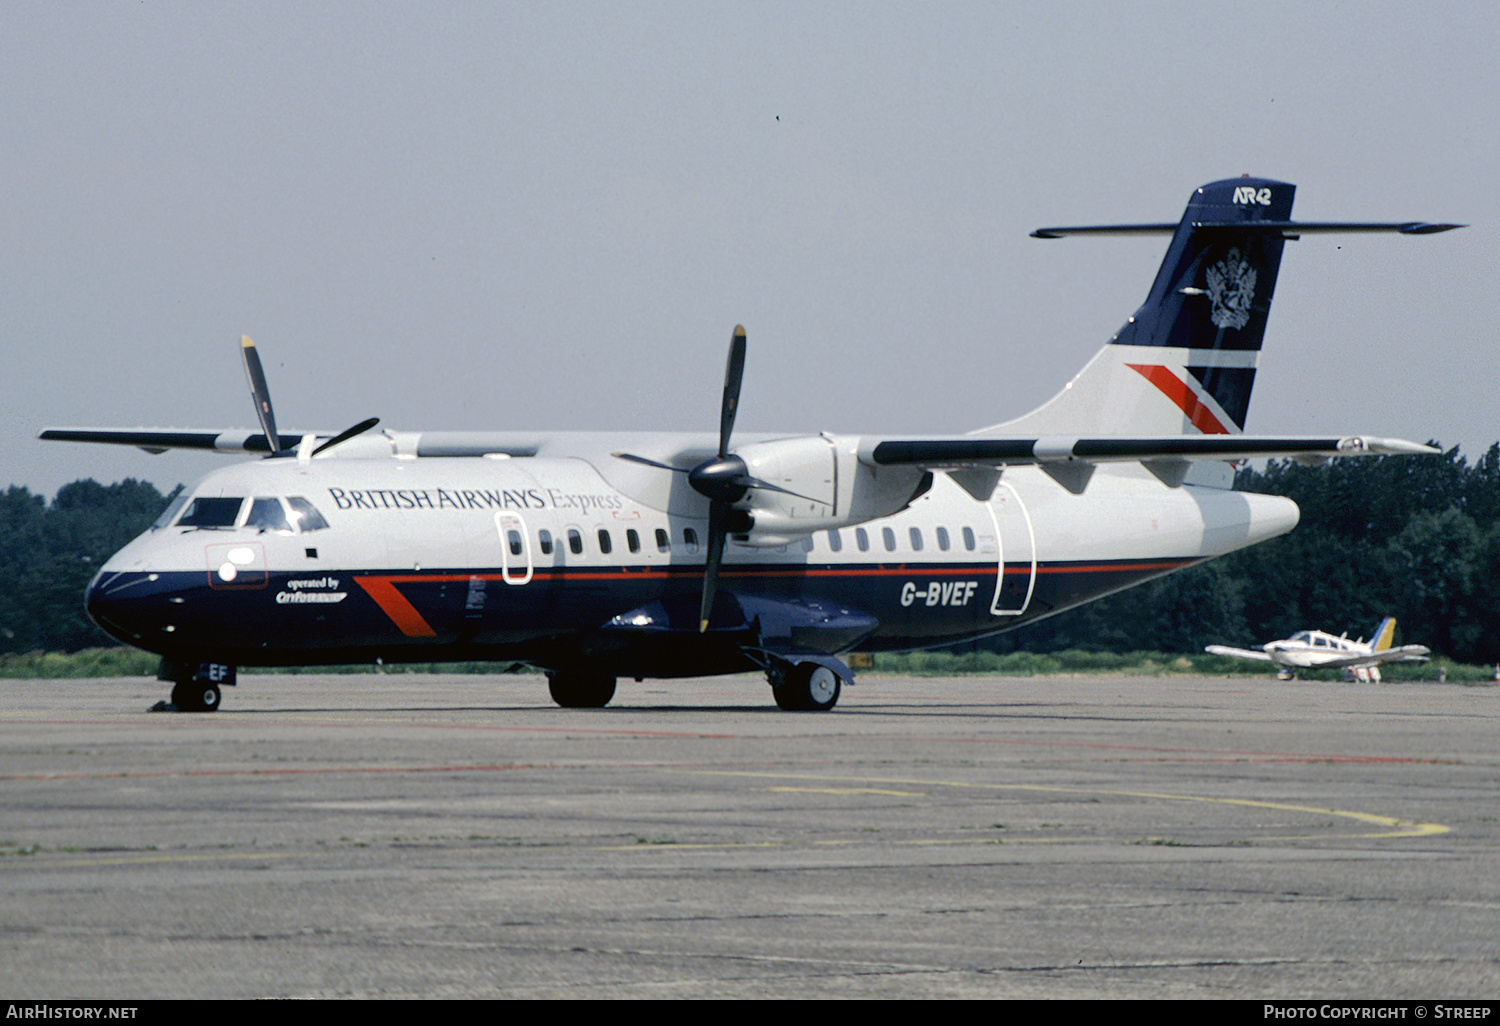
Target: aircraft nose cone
{"type": "Point", "coordinates": [118, 602]}
{"type": "Point", "coordinates": [98, 604]}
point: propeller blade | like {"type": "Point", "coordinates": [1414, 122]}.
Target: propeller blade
{"type": "Point", "coordinates": [718, 514]}
{"type": "Point", "coordinates": [723, 480]}
{"type": "Point", "coordinates": [260, 394]}
{"type": "Point", "coordinates": [347, 433]}
{"type": "Point", "coordinates": [755, 482]}
{"type": "Point", "coordinates": [734, 372]}
{"type": "Point", "coordinates": [633, 458]}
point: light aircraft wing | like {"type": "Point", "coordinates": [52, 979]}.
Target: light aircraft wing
{"type": "Point", "coordinates": [1404, 654]}
{"type": "Point", "coordinates": [1239, 653]}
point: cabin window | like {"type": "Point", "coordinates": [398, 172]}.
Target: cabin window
{"type": "Point", "coordinates": [514, 537]}
{"type": "Point", "coordinates": [604, 543]}
{"type": "Point", "coordinates": [266, 514]}
{"type": "Point", "coordinates": [969, 539]}
{"type": "Point", "coordinates": [663, 541]}
{"type": "Point", "coordinates": [835, 543]}
{"type": "Point", "coordinates": [862, 539]}
{"type": "Point", "coordinates": [916, 539]}
{"type": "Point", "coordinates": [690, 539]}
{"type": "Point", "coordinates": [575, 541]}
{"type": "Point", "coordinates": [889, 537]}
{"type": "Point", "coordinates": [942, 538]}
{"type": "Point", "coordinates": [544, 541]}
{"type": "Point", "coordinates": [305, 515]}
{"type": "Point", "coordinates": [633, 539]}
{"type": "Point", "coordinates": [211, 512]}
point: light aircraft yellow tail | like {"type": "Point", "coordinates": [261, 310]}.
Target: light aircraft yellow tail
{"type": "Point", "coordinates": [1385, 634]}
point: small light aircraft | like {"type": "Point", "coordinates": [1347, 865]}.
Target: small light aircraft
{"type": "Point", "coordinates": [599, 556]}
{"type": "Point", "coordinates": [1315, 650]}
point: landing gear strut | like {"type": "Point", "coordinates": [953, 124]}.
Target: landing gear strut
{"type": "Point", "coordinates": [580, 690]}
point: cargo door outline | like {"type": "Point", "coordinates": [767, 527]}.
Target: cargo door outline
{"type": "Point", "coordinates": [1018, 544]}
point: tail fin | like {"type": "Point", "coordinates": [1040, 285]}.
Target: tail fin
{"type": "Point", "coordinates": [1384, 636]}
{"type": "Point", "coordinates": [1185, 363]}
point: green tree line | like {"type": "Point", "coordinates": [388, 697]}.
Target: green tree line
{"type": "Point", "coordinates": [1417, 538]}
{"type": "Point", "coordinates": [48, 554]}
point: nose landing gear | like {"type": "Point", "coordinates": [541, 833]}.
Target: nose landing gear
{"type": "Point", "coordinates": [196, 686]}
{"type": "Point", "coordinates": [195, 696]}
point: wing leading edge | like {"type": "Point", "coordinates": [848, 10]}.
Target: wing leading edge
{"type": "Point", "coordinates": [1071, 460]}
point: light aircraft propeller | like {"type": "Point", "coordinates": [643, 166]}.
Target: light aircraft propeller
{"type": "Point", "coordinates": [261, 395]}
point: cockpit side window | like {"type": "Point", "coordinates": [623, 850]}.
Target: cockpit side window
{"type": "Point", "coordinates": [173, 508]}
{"type": "Point", "coordinates": [211, 511]}
{"type": "Point", "coordinates": [305, 514]}
{"type": "Point", "coordinates": [266, 514]}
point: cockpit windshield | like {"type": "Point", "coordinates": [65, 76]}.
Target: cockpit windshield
{"type": "Point", "coordinates": [267, 515]}
{"type": "Point", "coordinates": [305, 515]}
{"type": "Point", "coordinates": [211, 511]}
{"type": "Point", "coordinates": [284, 515]}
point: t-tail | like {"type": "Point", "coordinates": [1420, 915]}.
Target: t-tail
{"type": "Point", "coordinates": [1185, 363]}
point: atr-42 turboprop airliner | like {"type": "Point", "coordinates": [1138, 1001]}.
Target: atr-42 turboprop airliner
{"type": "Point", "coordinates": [599, 556]}
{"type": "Point", "coordinates": [1317, 650]}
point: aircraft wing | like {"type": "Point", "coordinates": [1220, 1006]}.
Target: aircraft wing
{"type": "Point", "coordinates": [945, 453]}
{"type": "Point", "coordinates": [1404, 654]}
{"type": "Point", "coordinates": [1070, 460]}
{"type": "Point", "coordinates": [1239, 653]}
{"type": "Point", "coordinates": [157, 440]}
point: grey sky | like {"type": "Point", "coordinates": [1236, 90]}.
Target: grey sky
{"type": "Point", "coordinates": [512, 215]}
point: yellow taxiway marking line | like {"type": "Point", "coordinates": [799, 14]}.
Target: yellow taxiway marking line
{"type": "Point", "coordinates": [1401, 827]}
{"type": "Point", "coordinates": [846, 790]}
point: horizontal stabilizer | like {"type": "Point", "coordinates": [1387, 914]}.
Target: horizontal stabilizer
{"type": "Point", "coordinates": [1287, 229]}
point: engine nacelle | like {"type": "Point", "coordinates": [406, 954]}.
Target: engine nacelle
{"type": "Point", "coordinates": [818, 483]}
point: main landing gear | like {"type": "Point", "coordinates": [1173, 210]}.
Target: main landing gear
{"type": "Point", "coordinates": [806, 687]}
{"type": "Point", "coordinates": [802, 687]}
{"type": "Point", "coordinates": [580, 690]}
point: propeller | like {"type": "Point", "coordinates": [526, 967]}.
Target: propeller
{"type": "Point", "coordinates": [262, 398]}
{"type": "Point", "coordinates": [723, 479]}
{"type": "Point", "coordinates": [260, 394]}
